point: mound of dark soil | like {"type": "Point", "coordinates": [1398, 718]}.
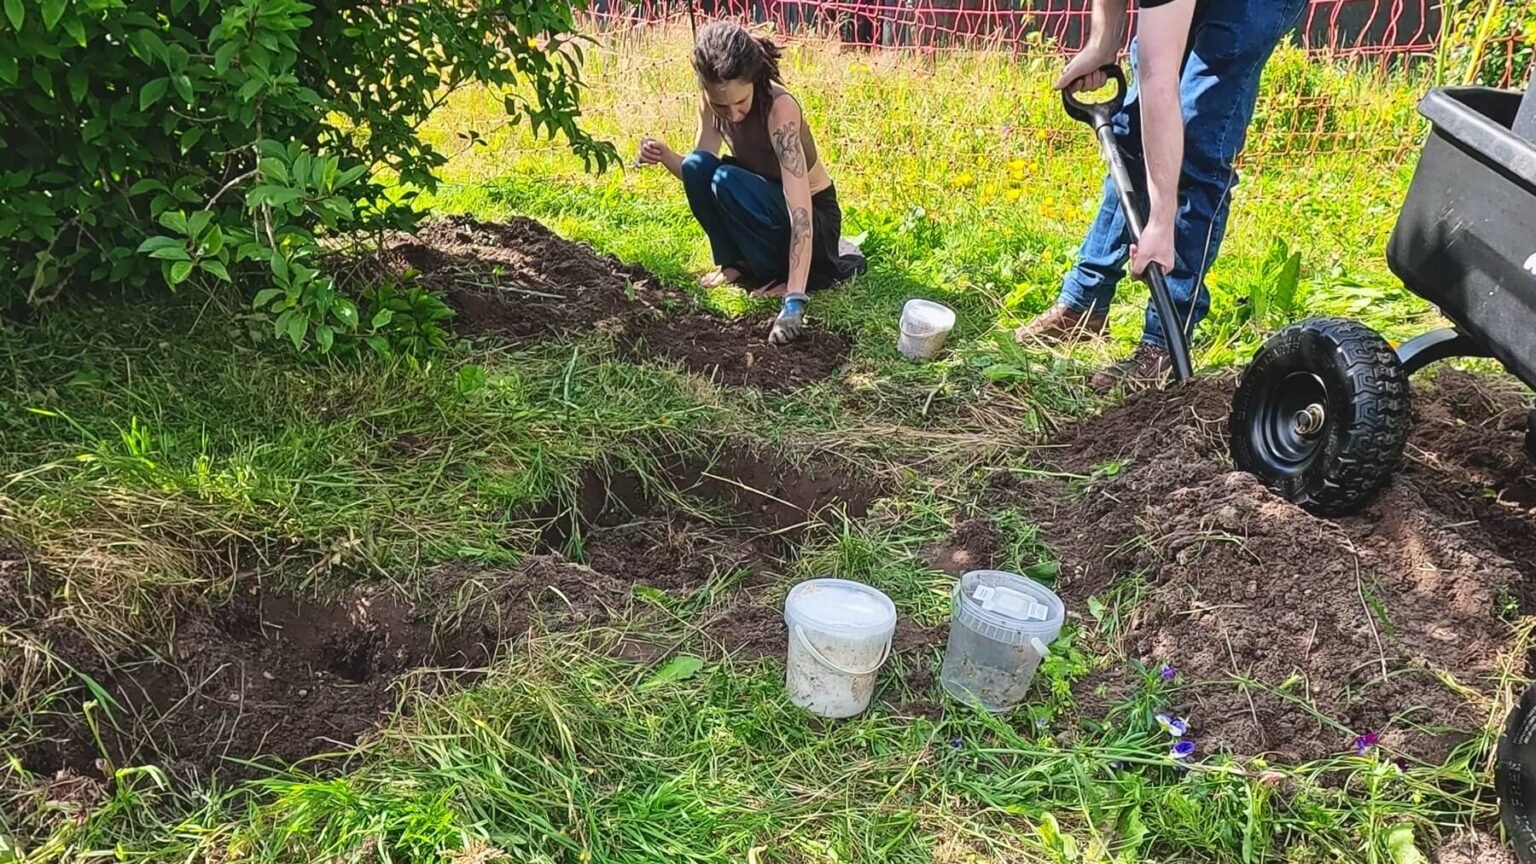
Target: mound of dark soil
{"type": "Point", "coordinates": [736, 353]}
{"type": "Point", "coordinates": [521, 282]}
{"type": "Point", "coordinates": [1294, 634]}
{"type": "Point", "coordinates": [975, 544]}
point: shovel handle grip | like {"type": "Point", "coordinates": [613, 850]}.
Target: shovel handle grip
{"type": "Point", "coordinates": [1097, 113]}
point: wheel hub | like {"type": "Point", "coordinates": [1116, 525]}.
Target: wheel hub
{"type": "Point", "coordinates": [1291, 422]}
{"type": "Point", "coordinates": [1310, 420]}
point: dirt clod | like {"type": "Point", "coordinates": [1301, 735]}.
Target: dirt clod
{"type": "Point", "coordinates": [1293, 634]}
{"type": "Point", "coordinates": [975, 544]}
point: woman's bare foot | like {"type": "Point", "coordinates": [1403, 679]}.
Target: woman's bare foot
{"type": "Point", "coordinates": [720, 276]}
{"type": "Point", "coordinates": [772, 289]}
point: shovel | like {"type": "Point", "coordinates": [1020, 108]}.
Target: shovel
{"type": "Point", "coordinates": [1100, 115]}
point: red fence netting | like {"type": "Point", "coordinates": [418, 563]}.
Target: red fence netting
{"type": "Point", "coordinates": [1385, 29]}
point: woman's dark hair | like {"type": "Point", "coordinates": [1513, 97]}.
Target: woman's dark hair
{"type": "Point", "coordinates": [726, 51]}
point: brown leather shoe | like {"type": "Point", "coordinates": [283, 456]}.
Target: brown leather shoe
{"type": "Point", "coordinates": [1062, 324]}
{"type": "Point", "coordinates": [1148, 367]}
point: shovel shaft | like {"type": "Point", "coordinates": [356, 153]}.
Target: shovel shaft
{"type": "Point", "coordinates": [1157, 280]}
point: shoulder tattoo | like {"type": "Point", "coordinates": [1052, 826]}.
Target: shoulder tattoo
{"type": "Point", "coordinates": [786, 143]}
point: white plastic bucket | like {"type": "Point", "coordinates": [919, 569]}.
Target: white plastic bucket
{"type": "Point", "coordinates": [925, 326]}
{"type": "Point", "coordinates": [1002, 628]}
{"type": "Point", "coordinates": [839, 636]}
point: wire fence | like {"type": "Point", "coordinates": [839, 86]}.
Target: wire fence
{"type": "Point", "coordinates": [1500, 34]}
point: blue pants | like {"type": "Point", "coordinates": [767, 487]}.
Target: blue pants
{"type": "Point", "coordinates": [1229, 45]}
{"type": "Point", "coordinates": [743, 214]}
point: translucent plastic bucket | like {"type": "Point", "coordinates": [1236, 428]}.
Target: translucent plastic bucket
{"type": "Point", "coordinates": [839, 637]}
{"type": "Point", "coordinates": [1002, 628]}
{"type": "Point", "coordinates": [925, 325]}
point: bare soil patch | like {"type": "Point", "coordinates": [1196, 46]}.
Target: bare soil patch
{"type": "Point", "coordinates": [519, 281]}
{"type": "Point", "coordinates": [264, 678]}
{"type": "Point", "coordinates": [1473, 847]}
{"type": "Point", "coordinates": [1292, 634]}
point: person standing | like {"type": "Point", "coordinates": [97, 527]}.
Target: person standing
{"type": "Point", "coordinates": [1196, 65]}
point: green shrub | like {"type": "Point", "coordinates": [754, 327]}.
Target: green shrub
{"type": "Point", "coordinates": [224, 141]}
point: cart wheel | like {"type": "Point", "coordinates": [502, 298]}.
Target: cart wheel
{"type": "Point", "coordinates": [1515, 777]}
{"type": "Point", "coordinates": [1321, 414]}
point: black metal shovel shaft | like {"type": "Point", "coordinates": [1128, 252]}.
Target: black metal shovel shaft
{"type": "Point", "coordinates": [1101, 117]}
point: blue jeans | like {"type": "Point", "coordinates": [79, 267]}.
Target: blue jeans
{"type": "Point", "coordinates": [1228, 47]}
{"type": "Point", "coordinates": [743, 214]}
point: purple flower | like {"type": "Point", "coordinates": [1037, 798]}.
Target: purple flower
{"type": "Point", "coordinates": [1042, 722]}
{"type": "Point", "coordinates": [957, 743]}
{"type": "Point", "coordinates": [1167, 672]}
{"type": "Point", "coordinates": [1182, 751]}
{"type": "Point", "coordinates": [1007, 128]}
{"type": "Point", "coordinates": [1364, 743]}
{"type": "Point", "coordinates": [1171, 724]}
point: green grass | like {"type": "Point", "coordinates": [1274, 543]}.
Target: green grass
{"type": "Point", "coordinates": [144, 441]}
{"type": "Point", "coordinates": [563, 754]}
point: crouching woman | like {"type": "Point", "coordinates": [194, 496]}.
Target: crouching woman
{"type": "Point", "coordinates": [769, 209]}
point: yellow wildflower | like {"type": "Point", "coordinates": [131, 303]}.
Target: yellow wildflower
{"type": "Point", "coordinates": [964, 180]}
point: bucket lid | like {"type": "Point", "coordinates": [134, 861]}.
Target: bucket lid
{"type": "Point", "coordinates": [839, 606]}
{"type": "Point", "coordinates": [1008, 607]}
{"type": "Point", "coordinates": [921, 317]}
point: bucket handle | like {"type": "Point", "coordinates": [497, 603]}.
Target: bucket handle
{"type": "Point", "coordinates": [821, 658]}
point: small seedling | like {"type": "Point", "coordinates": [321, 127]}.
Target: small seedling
{"type": "Point", "coordinates": [1379, 610]}
{"type": "Point", "coordinates": [1506, 604]}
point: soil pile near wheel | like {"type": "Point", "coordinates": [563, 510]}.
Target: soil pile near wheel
{"type": "Point", "coordinates": [1291, 634]}
{"type": "Point", "coordinates": [519, 281]}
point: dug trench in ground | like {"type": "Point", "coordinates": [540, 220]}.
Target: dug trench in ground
{"type": "Point", "coordinates": [257, 678]}
{"type": "Point", "coordinates": [763, 509]}
{"type": "Point", "coordinates": [1292, 635]}
{"type": "Point", "coordinates": [520, 282]}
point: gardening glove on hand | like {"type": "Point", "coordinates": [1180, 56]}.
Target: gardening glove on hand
{"type": "Point", "coordinates": [791, 321]}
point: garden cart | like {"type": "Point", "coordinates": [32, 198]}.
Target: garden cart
{"type": "Point", "coordinates": [1321, 415]}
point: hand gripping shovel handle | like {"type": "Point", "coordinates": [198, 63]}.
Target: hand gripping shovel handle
{"type": "Point", "coordinates": [1100, 115]}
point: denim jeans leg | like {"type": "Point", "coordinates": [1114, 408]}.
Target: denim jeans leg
{"type": "Point", "coordinates": [1218, 92]}
{"type": "Point", "coordinates": [698, 179]}
{"type": "Point", "coordinates": [1090, 285]}
{"type": "Point", "coordinates": [758, 219]}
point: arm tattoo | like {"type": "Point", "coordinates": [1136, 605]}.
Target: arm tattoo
{"type": "Point", "coordinates": [799, 237]}
{"type": "Point", "coordinates": [786, 143]}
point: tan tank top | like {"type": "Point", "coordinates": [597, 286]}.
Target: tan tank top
{"type": "Point", "coordinates": [751, 144]}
